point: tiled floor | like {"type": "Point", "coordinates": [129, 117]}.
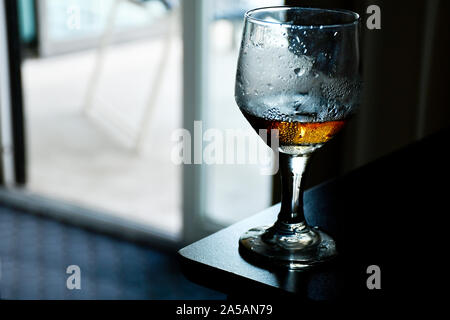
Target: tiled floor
{"type": "Point", "coordinates": [35, 253]}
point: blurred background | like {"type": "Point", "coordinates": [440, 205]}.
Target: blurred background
{"type": "Point", "coordinates": [92, 91]}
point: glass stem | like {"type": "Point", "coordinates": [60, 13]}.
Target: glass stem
{"type": "Point", "coordinates": [292, 169]}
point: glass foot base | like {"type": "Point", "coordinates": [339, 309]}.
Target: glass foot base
{"type": "Point", "coordinates": [294, 246]}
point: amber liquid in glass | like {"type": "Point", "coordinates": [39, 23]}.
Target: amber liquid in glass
{"type": "Point", "coordinates": [295, 136]}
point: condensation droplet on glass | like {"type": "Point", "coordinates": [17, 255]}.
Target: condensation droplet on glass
{"type": "Point", "coordinates": [300, 71]}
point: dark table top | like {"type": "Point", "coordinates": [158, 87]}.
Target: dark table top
{"type": "Point", "coordinates": [387, 213]}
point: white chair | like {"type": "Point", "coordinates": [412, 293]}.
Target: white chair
{"type": "Point", "coordinates": [170, 20]}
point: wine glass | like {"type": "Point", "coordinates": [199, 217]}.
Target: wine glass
{"type": "Point", "coordinates": [298, 74]}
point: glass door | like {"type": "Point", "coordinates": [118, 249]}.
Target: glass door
{"type": "Point", "coordinates": [102, 97]}
{"type": "Point", "coordinates": [86, 157]}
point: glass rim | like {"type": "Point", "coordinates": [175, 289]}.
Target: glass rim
{"type": "Point", "coordinates": [252, 19]}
